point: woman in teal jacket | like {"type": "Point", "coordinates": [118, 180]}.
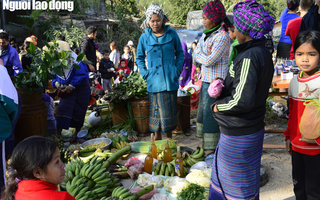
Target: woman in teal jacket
{"type": "Point", "coordinates": [162, 47]}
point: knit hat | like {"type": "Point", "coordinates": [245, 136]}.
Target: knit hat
{"type": "Point", "coordinates": [250, 18]}
{"type": "Point", "coordinates": [215, 12]}
{"type": "Point", "coordinates": [130, 43]}
{"type": "Point", "coordinates": [154, 9]}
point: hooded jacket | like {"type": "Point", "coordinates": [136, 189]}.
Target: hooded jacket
{"type": "Point", "coordinates": [104, 65]}
{"type": "Point", "coordinates": [185, 75]}
{"type": "Point", "coordinates": [125, 70]}
{"type": "Point", "coordinates": [242, 102]}
{"type": "Point", "coordinates": [165, 59]}
{"type": "Point", "coordinates": [11, 61]}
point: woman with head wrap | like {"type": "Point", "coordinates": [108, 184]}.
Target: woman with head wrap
{"type": "Point", "coordinates": [212, 52]}
{"type": "Point", "coordinates": [285, 43]}
{"type": "Point", "coordinates": [162, 47]}
{"type": "Point", "coordinates": [241, 106]}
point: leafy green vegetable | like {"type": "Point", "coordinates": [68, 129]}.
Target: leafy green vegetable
{"type": "Point", "coordinates": [192, 192]}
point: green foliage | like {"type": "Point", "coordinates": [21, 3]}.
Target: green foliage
{"type": "Point", "coordinates": [127, 6]}
{"type": "Point", "coordinates": [72, 33]}
{"type": "Point", "coordinates": [132, 87]}
{"type": "Point", "coordinates": [45, 64]}
{"type": "Point", "coordinates": [29, 20]}
{"type": "Point", "coordinates": [274, 7]}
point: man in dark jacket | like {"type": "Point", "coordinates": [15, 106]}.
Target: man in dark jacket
{"type": "Point", "coordinates": [88, 47]}
{"type": "Point", "coordinates": [106, 68]}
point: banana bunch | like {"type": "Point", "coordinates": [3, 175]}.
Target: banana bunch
{"type": "Point", "coordinates": [125, 194]}
{"type": "Point", "coordinates": [161, 155]}
{"type": "Point", "coordinates": [65, 155]}
{"type": "Point", "coordinates": [166, 169]}
{"type": "Point", "coordinates": [194, 158]}
{"type": "Point", "coordinates": [89, 180]}
{"type": "Point", "coordinates": [87, 154]}
{"type": "Point", "coordinates": [120, 145]}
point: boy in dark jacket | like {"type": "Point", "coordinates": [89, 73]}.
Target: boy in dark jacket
{"type": "Point", "coordinates": [106, 68]}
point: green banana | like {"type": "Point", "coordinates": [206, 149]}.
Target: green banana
{"type": "Point", "coordinates": [169, 166]}
{"type": "Point", "coordinates": [100, 189]}
{"type": "Point", "coordinates": [87, 150]}
{"type": "Point", "coordinates": [77, 171]}
{"type": "Point", "coordinates": [115, 191]}
{"type": "Point", "coordinates": [68, 186]}
{"type": "Point", "coordinates": [83, 169]}
{"type": "Point", "coordinates": [90, 184]}
{"type": "Point", "coordinates": [97, 174]}
{"type": "Point", "coordinates": [199, 155]}
{"type": "Point", "coordinates": [157, 168]}
{"type": "Point", "coordinates": [100, 178]}
{"type": "Point", "coordinates": [162, 170]}
{"type": "Point", "coordinates": [166, 171]}
{"type": "Point", "coordinates": [93, 160]}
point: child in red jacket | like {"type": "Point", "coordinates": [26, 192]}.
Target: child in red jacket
{"type": "Point", "coordinates": [123, 71]}
{"type": "Point", "coordinates": [36, 170]}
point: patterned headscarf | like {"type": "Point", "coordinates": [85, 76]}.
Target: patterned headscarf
{"type": "Point", "coordinates": [215, 12]}
{"type": "Point", "coordinates": [250, 18]}
{"type": "Point", "coordinates": [32, 39]}
{"type": "Point", "coordinates": [154, 9]}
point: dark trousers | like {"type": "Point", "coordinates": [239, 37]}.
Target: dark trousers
{"type": "Point", "coordinates": [306, 176]}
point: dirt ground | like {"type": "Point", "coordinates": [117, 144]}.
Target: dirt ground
{"type": "Point", "coordinates": [277, 162]}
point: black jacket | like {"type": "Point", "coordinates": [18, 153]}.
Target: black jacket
{"type": "Point", "coordinates": [88, 48]}
{"type": "Point", "coordinates": [242, 103]}
{"type": "Point", "coordinates": [103, 68]}
{"type": "Point", "coordinates": [310, 21]}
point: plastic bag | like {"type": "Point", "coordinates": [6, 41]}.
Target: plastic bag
{"type": "Point", "coordinates": [202, 165]}
{"type": "Point", "coordinates": [310, 121]}
{"type": "Point", "coordinates": [159, 196]}
{"type": "Point", "coordinates": [175, 184]}
{"type": "Point", "coordinates": [147, 179]}
{"type": "Point", "coordinates": [200, 177]}
{"type": "Point", "coordinates": [215, 88]}
{"type": "Point", "coordinates": [194, 90]}
{"type": "Point", "coordinates": [149, 195]}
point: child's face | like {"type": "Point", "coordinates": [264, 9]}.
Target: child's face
{"type": "Point", "coordinates": [106, 56]}
{"type": "Point", "coordinates": [55, 172]}
{"type": "Point", "coordinates": [126, 50]}
{"type": "Point", "coordinates": [123, 63]}
{"type": "Point", "coordinates": [232, 35]}
{"type": "Point", "coordinates": [194, 45]}
{"type": "Point", "coordinates": [307, 59]}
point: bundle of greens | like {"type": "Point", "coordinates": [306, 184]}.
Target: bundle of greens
{"type": "Point", "coordinates": [133, 87]}
{"type": "Point", "coordinates": [192, 192]}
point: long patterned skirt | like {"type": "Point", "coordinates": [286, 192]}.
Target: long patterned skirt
{"type": "Point", "coordinates": [72, 109]}
{"type": "Point", "coordinates": [207, 126]}
{"type": "Point", "coordinates": [236, 167]}
{"type": "Point", "coordinates": [163, 111]}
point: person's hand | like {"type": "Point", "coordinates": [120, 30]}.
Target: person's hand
{"type": "Point", "coordinates": [91, 68]}
{"type": "Point", "coordinates": [288, 147]}
{"type": "Point", "coordinates": [1, 62]}
{"type": "Point", "coordinates": [68, 89]}
{"type": "Point", "coordinates": [215, 109]}
{"type": "Point", "coordinates": [143, 26]}
{"type": "Point", "coordinates": [308, 141]}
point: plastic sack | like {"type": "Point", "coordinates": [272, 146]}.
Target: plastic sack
{"type": "Point", "coordinates": [159, 196]}
{"type": "Point", "coordinates": [132, 161]}
{"type": "Point", "coordinates": [181, 93]}
{"type": "Point", "coordinates": [200, 177]}
{"type": "Point", "coordinates": [215, 88]}
{"type": "Point", "coordinates": [147, 179]}
{"type": "Point", "coordinates": [310, 121]}
{"type": "Point", "coordinates": [202, 165]}
{"type": "Point", "coordinates": [194, 90]}
{"type": "Point", "coordinates": [135, 170]}
{"type": "Point", "coordinates": [117, 80]}
{"type": "Point", "coordinates": [175, 184]}
{"type": "Point", "coordinates": [148, 195]}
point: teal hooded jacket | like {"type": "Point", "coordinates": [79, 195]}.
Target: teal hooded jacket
{"type": "Point", "coordinates": [165, 58]}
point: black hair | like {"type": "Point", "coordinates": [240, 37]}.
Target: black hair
{"type": "Point", "coordinates": [306, 4]}
{"type": "Point", "coordinates": [12, 39]}
{"type": "Point", "coordinates": [312, 37]}
{"type": "Point", "coordinates": [28, 155]}
{"type": "Point", "coordinates": [105, 51]}
{"type": "Point", "coordinates": [4, 36]}
{"type": "Point", "coordinates": [293, 4]}
{"type": "Point", "coordinates": [92, 29]}
{"type": "Point", "coordinates": [195, 43]}
{"type": "Point", "coordinates": [127, 46]}
{"type": "Point", "coordinates": [231, 29]}
{"type": "Point", "coordinates": [62, 37]}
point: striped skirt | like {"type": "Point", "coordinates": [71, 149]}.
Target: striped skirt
{"type": "Point", "coordinates": [163, 111]}
{"type": "Point", "coordinates": [72, 109]}
{"type": "Point", "coordinates": [236, 167]}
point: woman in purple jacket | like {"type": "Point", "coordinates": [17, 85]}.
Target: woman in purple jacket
{"type": "Point", "coordinates": [185, 75]}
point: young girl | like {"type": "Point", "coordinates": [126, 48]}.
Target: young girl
{"type": "Point", "coordinates": [305, 153]}
{"type": "Point", "coordinates": [114, 55]}
{"type": "Point", "coordinates": [36, 170]}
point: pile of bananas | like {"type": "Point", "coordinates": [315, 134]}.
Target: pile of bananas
{"type": "Point", "coordinates": [194, 158]}
{"type": "Point", "coordinates": [87, 154]}
{"type": "Point", "coordinates": [120, 145]}
{"type": "Point", "coordinates": [125, 194]}
{"type": "Point", "coordinates": [89, 180]}
{"type": "Point", "coordinates": [58, 140]}
{"type": "Point", "coordinates": [65, 155]}
{"type": "Point", "coordinates": [166, 169]}
{"type": "Point", "coordinates": [161, 154]}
